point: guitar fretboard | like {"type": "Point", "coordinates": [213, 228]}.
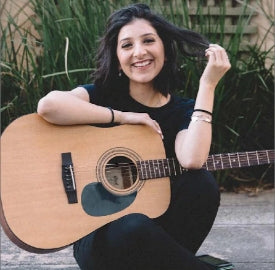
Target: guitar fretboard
{"type": "Point", "coordinates": [149, 169]}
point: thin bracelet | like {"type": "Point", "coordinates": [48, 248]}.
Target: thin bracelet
{"type": "Point", "coordinates": [113, 116]}
{"type": "Point", "coordinates": [201, 110]}
{"type": "Point", "coordinates": [201, 118]}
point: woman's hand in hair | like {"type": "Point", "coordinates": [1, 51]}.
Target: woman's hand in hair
{"type": "Point", "coordinates": [218, 64]}
{"type": "Point", "coordinates": [138, 119]}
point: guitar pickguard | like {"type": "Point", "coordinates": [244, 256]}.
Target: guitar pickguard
{"type": "Point", "coordinates": [97, 201]}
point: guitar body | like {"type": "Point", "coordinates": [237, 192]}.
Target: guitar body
{"type": "Point", "coordinates": [35, 212]}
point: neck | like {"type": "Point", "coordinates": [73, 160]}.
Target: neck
{"type": "Point", "coordinates": [147, 95]}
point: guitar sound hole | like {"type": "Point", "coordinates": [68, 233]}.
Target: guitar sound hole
{"type": "Point", "coordinates": [121, 172]}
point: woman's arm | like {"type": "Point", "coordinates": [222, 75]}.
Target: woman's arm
{"type": "Point", "coordinates": [71, 107]}
{"type": "Point", "coordinates": [193, 144]}
{"type": "Point", "coordinates": [74, 107]}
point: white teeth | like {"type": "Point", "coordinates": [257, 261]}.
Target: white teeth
{"type": "Point", "coordinates": [142, 64]}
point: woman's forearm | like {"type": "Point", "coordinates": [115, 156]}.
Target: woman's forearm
{"type": "Point", "coordinates": [64, 108]}
{"type": "Point", "coordinates": [193, 144]}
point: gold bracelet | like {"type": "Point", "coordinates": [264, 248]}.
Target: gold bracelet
{"type": "Point", "coordinates": [203, 118]}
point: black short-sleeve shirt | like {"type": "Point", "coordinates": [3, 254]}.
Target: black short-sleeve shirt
{"type": "Point", "coordinates": [172, 117]}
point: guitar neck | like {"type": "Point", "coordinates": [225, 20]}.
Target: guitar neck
{"type": "Point", "coordinates": [149, 169]}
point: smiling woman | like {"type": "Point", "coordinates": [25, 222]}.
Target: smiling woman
{"type": "Point", "coordinates": [133, 84]}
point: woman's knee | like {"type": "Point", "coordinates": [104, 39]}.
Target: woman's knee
{"type": "Point", "coordinates": [130, 228]}
{"type": "Point", "coordinates": [199, 183]}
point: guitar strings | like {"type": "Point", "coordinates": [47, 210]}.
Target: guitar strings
{"type": "Point", "coordinates": [221, 159]}
{"type": "Point", "coordinates": [152, 170]}
{"type": "Point", "coordinates": [151, 165]}
{"type": "Point", "coordinates": [217, 160]}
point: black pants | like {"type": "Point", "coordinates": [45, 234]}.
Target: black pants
{"type": "Point", "coordinates": [136, 242]}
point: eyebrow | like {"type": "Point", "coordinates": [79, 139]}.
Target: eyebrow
{"type": "Point", "coordinates": [144, 35]}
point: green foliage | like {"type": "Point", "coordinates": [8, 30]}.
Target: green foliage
{"type": "Point", "coordinates": [63, 57]}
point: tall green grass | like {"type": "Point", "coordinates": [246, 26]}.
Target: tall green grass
{"type": "Point", "coordinates": [63, 57]}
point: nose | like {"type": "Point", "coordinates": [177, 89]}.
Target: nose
{"type": "Point", "coordinates": [139, 50]}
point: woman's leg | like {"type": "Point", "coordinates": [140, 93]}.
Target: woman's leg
{"type": "Point", "coordinates": [133, 242]}
{"type": "Point", "coordinates": [194, 204]}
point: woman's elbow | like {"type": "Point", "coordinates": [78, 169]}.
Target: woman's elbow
{"type": "Point", "coordinates": [47, 104]}
{"type": "Point", "coordinates": [192, 163]}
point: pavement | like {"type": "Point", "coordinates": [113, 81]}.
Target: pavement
{"type": "Point", "coordinates": [243, 233]}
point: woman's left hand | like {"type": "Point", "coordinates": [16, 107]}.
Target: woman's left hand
{"type": "Point", "coordinates": [218, 64]}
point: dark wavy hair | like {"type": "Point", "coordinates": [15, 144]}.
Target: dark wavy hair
{"type": "Point", "coordinates": [188, 42]}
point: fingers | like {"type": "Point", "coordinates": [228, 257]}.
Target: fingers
{"type": "Point", "coordinates": [158, 129]}
{"type": "Point", "coordinates": [217, 55]}
{"type": "Point", "coordinates": [153, 124]}
{"type": "Point", "coordinates": [141, 118]}
{"type": "Point", "coordinates": [218, 64]}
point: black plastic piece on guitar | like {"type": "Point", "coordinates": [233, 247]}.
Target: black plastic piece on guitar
{"type": "Point", "coordinates": [68, 177]}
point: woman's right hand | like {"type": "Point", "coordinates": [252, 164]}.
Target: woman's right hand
{"type": "Point", "coordinates": [138, 118]}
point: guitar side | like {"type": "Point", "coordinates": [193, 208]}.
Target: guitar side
{"type": "Point", "coordinates": [35, 212]}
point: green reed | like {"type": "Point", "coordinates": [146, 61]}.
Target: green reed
{"type": "Point", "coordinates": [61, 57]}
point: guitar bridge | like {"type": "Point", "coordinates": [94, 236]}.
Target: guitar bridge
{"type": "Point", "coordinates": [68, 177]}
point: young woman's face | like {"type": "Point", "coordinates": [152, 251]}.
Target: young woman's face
{"type": "Point", "coordinates": [140, 51]}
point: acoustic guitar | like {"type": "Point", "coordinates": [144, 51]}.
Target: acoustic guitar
{"type": "Point", "coordinates": [59, 183]}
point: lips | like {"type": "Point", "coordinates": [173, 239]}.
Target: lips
{"type": "Point", "coordinates": [141, 64]}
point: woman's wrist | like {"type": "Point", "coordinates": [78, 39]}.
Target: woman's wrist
{"type": "Point", "coordinates": [118, 115]}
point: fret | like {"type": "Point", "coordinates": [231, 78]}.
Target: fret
{"type": "Point", "coordinates": [213, 160]}
{"type": "Point", "coordinates": [158, 168]}
{"type": "Point", "coordinates": [164, 165]}
{"type": "Point", "coordinates": [154, 169]}
{"type": "Point", "coordinates": [151, 168]}
{"type": "Point", "coordinates": [206, 165]}
{"type": "Point", "coordinates": [221, 161]}
{"type": "Point", "coordinates": [169, 170]}
{"type": "Point", "coordinates": [141, 165]}
{"type": "Point", "coordinates": [210, 164]}
{"type": "Point", "coordinates": [141, 169]}
{"type": "Point", "coordinates": [161, 166]}
{"type": "Point", "coordinates": [228, 156]}
{"type": "Point", "coordinates": [148, 171]}
{"type": "Point", "coordinates": [239, 159]}
{"type": "Point", "coordinates": [267, 155]}
{"type": "Point", "coordinates": [180, 169]}
{"type": "Point", "coordinates": [257, 157]}
{"type": "Point", "coordinates": [247, 158]}
{"type": "Point", "coordinates": [174, 167]}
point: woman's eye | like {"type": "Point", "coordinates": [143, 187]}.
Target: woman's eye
{"type": "Point", "coordinates": [149, 40]}
{"type": "Point", "coordinates": [126, 45]}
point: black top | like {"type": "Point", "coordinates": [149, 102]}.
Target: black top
{"type": "Point", "coordinates": [172, 117]}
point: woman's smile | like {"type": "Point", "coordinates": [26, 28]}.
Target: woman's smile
{"type": "Point", "coordinates": [141, 64]}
